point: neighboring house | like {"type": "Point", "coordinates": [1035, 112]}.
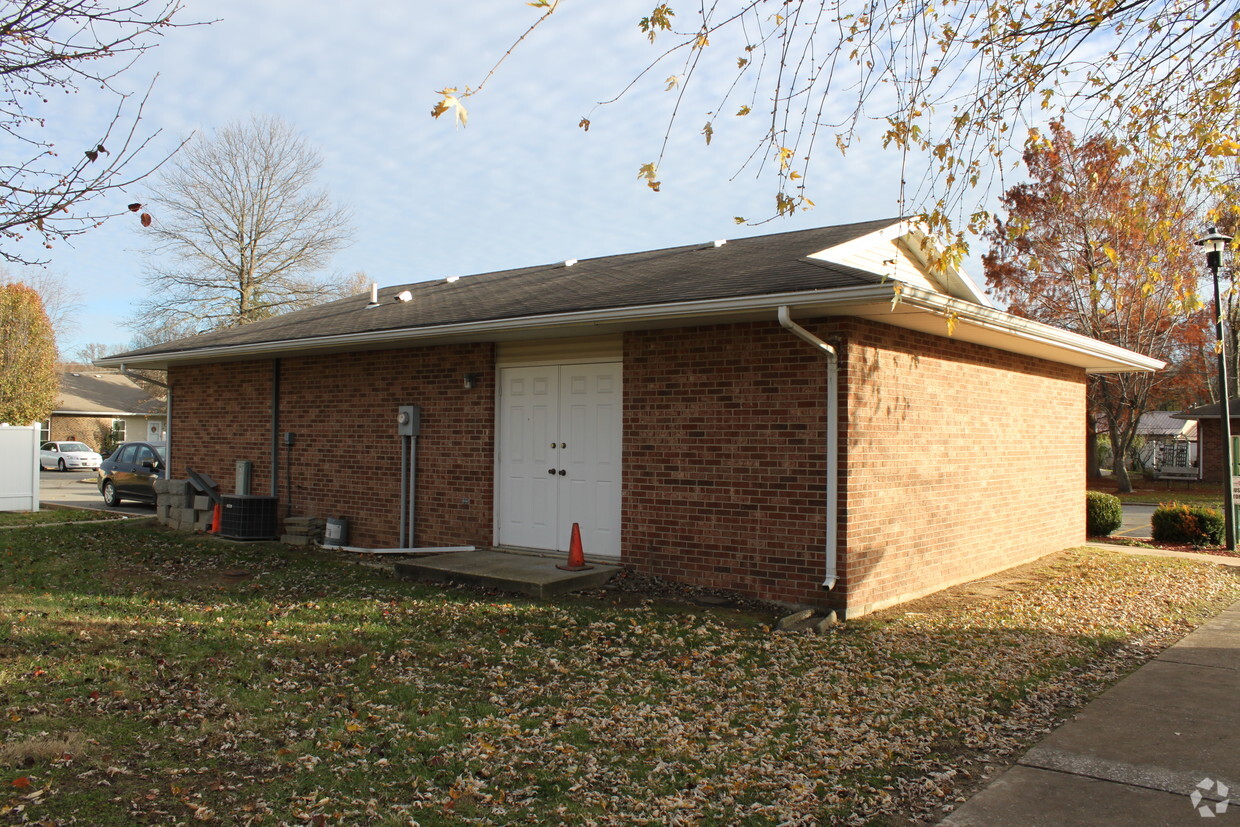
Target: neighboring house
{"type": "Point", "coordinates": [1167, 442]}
{"type": "Point", "coordinates": [1164, 440]}
{"type": "Point", "coordinates": [102, 407]}
{"type": "Point", "coordinates": [1209, 435]}
{"type": "Point", "coordinates": [678, 404]}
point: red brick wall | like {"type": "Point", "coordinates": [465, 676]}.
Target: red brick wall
{"type": "Point", "coordinates": [1209, 446]}
{"type": "Point", "coordinates": [724, 459]}
{"type": "Point", "coordinates": [89, 429]}
{"type": "Point", "coordinates": [959, 460]}
{"type": "Point", "coordinates": [346, 456]}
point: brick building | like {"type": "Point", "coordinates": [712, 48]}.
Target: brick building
{"type": "Point", "coordinates": [1210, 435]}
{"type": "Point", "coordinates": [102, 407]}
{"type": "Point", "coordinates": [814, 417]}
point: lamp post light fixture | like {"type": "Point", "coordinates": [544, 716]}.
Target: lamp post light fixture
{"type": "Point", "coordinates": [1215, 243]}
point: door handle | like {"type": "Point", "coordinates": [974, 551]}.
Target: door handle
{"type": "Point", "coordinates": [562, 472]}
{"type": "Point", "coordinates": [551, 471]}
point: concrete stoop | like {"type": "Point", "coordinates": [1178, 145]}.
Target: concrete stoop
{"type": "Point", "coordinates": [807, 620]}
{"type": "Point", "coordinates": [530, 575]}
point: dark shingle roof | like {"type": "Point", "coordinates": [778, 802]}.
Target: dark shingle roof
{"type": "Point", "coordinates": [760, 265]}
{"type": "Point", "coordinates": [104, 393]}
{"type": "Point", "coordinates": [1211, 411]}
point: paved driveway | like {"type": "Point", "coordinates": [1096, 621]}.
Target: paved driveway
{"type": "Point", "coordinates": [80, 489]}
{"type": "Point", "coordinates": [1136, 522]}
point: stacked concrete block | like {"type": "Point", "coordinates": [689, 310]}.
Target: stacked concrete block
{"type": "Point", "coordinates": [179, 505]}
{"type": "Point", "coordinates": [303, 531]}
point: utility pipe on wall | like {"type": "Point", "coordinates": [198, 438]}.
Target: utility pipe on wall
{"type": "Point", "coordinates": [831, 574]}
{"type": "Point", "coordinates": [275, 429]}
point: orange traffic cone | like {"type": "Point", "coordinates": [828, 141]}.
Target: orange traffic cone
{"type": "Point", "coordinates": [576, 557]}
{"type": "Point", "coordinates": [215, 520]}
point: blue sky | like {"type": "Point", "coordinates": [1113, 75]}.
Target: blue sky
{"type": "Point", "coordinates": [522, 184]}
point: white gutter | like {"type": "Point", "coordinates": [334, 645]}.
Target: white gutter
{"type": "Point", "coordinates": [830, 575]}
{"type": "Point", "coordinates": [402, 335]}
{"type": "Point", "coordinates": [167, 417]}
{"type": "Point", "coordinates": [987, 318]}
{"type": "Point", "coordinates": [112, 414]}
{"type": "Point", "coordinates": [839, 301]}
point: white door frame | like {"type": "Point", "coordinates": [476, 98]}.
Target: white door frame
{"type": "Point", "coordinates": [584, 483]}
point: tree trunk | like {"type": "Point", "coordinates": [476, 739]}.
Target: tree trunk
{"type": "Point", "coordinates": [1092, 468]}
{"type": "Point", "coordinates": [1120, 442]}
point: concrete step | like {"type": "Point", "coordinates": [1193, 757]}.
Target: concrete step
{"type": "Point", "coordinates": [807, 620]}
{"type": "Point", "coordinates": [525, 574]}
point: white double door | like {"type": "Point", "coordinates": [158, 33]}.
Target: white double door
{"type": "Point", "coordinates": [560, 456]}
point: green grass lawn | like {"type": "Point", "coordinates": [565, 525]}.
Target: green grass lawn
{"type": "Point", "coordinates": [147, 676]}
{"type": "Point", "coordinates": [1153, 492]}
{"type": "Point", "coordinates": [1209, 498]}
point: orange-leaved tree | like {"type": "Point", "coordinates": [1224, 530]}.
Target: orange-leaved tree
{"type": "Point", "coordinates": [1100, 243]}
{"type": "Point", "coordinates": [28, 381]}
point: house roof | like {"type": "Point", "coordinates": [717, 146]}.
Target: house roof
{"type": "Point", "coordinates": [1164, 423]}
{"type": "Point", "coordinates": [1211, 411]}
{"type": "Point", "coordinates": [875, 269]}
{"type": "Point", "coordinates": [102, 393]}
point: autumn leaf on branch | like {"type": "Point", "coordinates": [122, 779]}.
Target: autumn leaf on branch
{"type": "Point", "coordinates": [451, 102]}
{"type": "Point", "coordinates": [649, 172]}
{"type": "Point", "coordinates": [659, 19]}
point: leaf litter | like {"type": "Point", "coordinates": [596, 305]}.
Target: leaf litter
{"type": "Point", "coordinates": [315, 691]}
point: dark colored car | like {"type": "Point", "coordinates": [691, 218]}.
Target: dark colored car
{"type": "Point", "coordinates": [131, 471]}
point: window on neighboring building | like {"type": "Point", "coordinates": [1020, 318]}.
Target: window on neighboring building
{"type": "Point", "coordinates": [45, 430]}
{"type": "Point", "coordinates": [118, 431]}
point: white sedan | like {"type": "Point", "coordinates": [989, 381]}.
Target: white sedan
{"type": "Point", "coordinates": [66, 455]}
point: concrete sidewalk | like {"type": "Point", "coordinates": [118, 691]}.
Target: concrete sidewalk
{"type": "Point", "coordinates": [1137, 754]}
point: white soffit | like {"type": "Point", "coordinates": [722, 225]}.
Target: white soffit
{"type": "Point", "coordinates": [899, 252]}
{"type": "Point", "coordinates": [933, 313]}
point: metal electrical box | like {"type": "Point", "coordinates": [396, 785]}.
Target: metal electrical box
{"type": "Point", "coordinates": [409, 420]}
{"type": "Point", "coordinates": [245, 472]}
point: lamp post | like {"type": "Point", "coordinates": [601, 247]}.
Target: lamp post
{"type": "Point", "coordinates": [1215, 243]}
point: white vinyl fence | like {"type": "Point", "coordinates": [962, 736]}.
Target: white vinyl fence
{"type": "Point", "coordinates": [19, 467]}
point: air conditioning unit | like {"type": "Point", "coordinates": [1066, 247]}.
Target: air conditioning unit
{"type": "Point", "coordinates": [246, 517]}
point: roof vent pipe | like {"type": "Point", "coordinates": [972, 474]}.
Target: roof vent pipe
{"type": "Point", "coordinates": [720, 242]}
{"type": "Point", "coordinates": [404, 296]}
{"type": "Point", "coordinates": [374, 294]}
{"type": "Point", "coordinates": [569, 262]}
{"type": "Point", "coordinates": [831, 575]}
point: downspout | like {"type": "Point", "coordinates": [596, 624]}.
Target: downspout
{"type": "Point", "coordinates": [831, 574]}
{"type": "Point", "coordinates": [275, 428]}
{"type": "Point", "coordinates": [167, 416]}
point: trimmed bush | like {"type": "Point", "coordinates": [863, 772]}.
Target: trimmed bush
{"type": "Point", "coordinates": [1180, 523]}
{"type": "Point", "coordinates": [1103, 513]}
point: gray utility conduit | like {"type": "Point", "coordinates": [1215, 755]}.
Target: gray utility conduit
{"type": "Point", "coordinates": [833, 439]}
{"type": "Point", "coordinates": [408, 488]}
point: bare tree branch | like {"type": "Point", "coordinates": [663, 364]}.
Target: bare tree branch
{"type": "Point", "coordinates": [60, 46]}
{"type": "Point", "coordinates": [955, 85]}
{"type": "Point", "coordinates": [240, 230]}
